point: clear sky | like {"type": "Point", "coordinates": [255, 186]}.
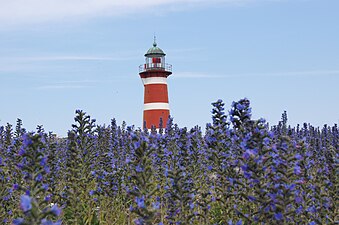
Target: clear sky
{"type": "Point", "coordinates": [57, 56]}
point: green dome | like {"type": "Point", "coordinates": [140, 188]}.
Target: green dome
{"type": "Point", "coordinates": [155, 51]}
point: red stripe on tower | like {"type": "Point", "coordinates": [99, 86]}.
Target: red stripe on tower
{"type": "Point", "coordinates": [154, 75]}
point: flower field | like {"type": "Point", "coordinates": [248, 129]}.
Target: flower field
{"type": "Point", "coordinates": [238, 171]}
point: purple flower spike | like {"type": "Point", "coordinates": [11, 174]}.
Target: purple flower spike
{"type": "Point", "coordinates": [25, 203]}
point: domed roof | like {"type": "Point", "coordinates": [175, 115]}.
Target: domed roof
{"type": "Point", "coordinates": [155, 51]}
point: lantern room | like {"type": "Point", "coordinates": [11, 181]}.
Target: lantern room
{"type": "Point", "coordinates": [155, 60]}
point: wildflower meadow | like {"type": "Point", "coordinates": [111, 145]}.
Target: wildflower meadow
{"type": "Point", "coordinates": [235, 171]}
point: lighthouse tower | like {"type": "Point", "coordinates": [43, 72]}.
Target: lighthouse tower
{"type": "Point", "coordinates": [154, 75]}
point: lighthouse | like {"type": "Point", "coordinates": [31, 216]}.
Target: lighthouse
{"type": "Point", "coordinates": [154, 75]}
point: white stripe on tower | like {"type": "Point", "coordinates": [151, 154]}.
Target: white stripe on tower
{"type": "Point", "coordinates": [156, 105]}
{"type": "Point", "coordinates": [154, 80]}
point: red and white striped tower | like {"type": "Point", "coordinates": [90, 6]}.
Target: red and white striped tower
{"type": "Point", "coordinates": [154, 75]}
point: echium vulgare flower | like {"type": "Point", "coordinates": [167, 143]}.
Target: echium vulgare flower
{"type": "Point", "coordinates": [142, 188]}
{"type": "Point", "coordinates": [240, 114]}
{"type": "Point", "coordinates": [81, 163]}
{"type": "Point", "coordinates": [220, 172]}
{"type": "Point", "coordinates": [35, 208]}
{"type": "Point", "coordinates": [180, 186]}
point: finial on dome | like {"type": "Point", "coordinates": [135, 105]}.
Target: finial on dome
{"type": "Point", "coordinates": [155, 41]}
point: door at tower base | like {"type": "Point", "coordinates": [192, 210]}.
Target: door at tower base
{"type": "Point", "coordinates": [152, 117]}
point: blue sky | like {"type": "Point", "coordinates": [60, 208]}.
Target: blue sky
{"type": "Point", "coordinates": [59, 56]}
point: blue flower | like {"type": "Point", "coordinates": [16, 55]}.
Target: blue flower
{"type": "Point", "coordinates": [137, 144]}
{"type": "Point", "coordinates": [278, 216]}
{"type": "Point", "coordinates": [56, 210]}
{"type": "Point", "coordinates": [239, 222]}
{"type": "Point", "coordinates": [139, 221]}
{"type": "Point", "coordinates": [45, 186]}
{"type": "Point", "coordinates": [311, 209]}
{"type": "Point", "coordinates": [16, 187]}
{"type": "Point", "coordinates": [251, 198]}
{"type": "Point", "coordinates": [290, 187]}
{"type": "Point", "coordinates": [247, 175]}
{"type": "Point", "coordinates": [140, 202]}
{"type": "Point", "coordinates": [43, 161]}
{"type": "Point", "coordinates": [26, 140]}
{"type": "Point", "coordinates": [47, 169]}
{"type": "Point", "coordinates": [266, 141]}
{"type": "Point", "coordinates": [39, 177]}
{"type": "Point", "coordinates": [240, 107]}
{"type": "Point", "coordinates": [49, 222]}
{"type": "Point", "coordinates": [131, 208]}
{"type": "Point", "coordinates": [297, 170]}
{"type": "Point", "coordinates": [138, 168]}
{"type": "Point", "coordinates": [246, 155]}
{"type": "Point", "coordinates": [21, 151]}
{"type": "Point", "coordinates": [298, 157]}
{"type": "Point", "coordinates": [48, 198]}
{"type": "Point", "coordinates": [273, 197]}
{"type": "Point", "coordinates": [18, 221]}
{"type": "Point", "coordinates": [299, 210]}
{"type": "Point", "coordinates": [46, 222]}
{"type": "Point", "coordinates": [244, 167]}
{"type": "Point", "coordinates": [156, 205]}
{"type": "Point", "coordinates": [25, 203]}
